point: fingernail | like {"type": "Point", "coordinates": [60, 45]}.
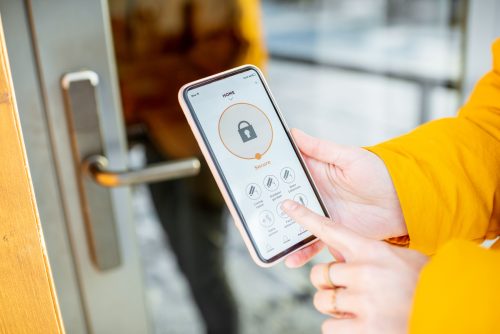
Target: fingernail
{"type": "Point", "coordinates": [289, 264]}
{"type": "Point", "coordinates": [289, 205]}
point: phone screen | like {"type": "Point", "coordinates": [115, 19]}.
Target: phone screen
{"type": "Point", "coordinates": [255, 158]}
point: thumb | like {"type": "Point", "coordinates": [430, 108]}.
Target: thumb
{"type": "Point", "coordinates": [322, 150]}
{"type": "Point", "coordinates": [334, 235]}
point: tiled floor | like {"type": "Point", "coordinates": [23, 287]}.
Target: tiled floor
{"type": "Point", "coordinates": [168, 298]}
{"type": "Point", "coordinates": [341, 106]}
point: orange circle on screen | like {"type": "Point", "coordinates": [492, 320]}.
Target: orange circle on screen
{"type": "Point", "coordinates": [245, 131]}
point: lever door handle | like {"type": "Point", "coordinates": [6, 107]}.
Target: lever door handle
{"type": "Point", "coordinates": [86, 121]}
{"type": "Point", "coordinates": [95, 166]}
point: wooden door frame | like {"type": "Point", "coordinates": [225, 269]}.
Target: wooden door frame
{"type": "Point", "coordinates": [46, 41]}
{"type": "Point", "coordinates": [28, 300]}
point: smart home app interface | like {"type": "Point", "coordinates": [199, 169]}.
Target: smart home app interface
{"type": "Point", "coordinates": [256, 157]}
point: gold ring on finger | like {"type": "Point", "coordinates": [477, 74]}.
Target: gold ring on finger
{"type": "Point", "coordinates": [335, 312]}
{"type": "Point", "coordinates": [327, 277]}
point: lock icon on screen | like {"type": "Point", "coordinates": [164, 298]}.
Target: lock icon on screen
{"type": "Point", "coordinates": [246, 131]}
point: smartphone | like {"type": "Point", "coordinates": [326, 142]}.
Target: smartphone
{"type": "Point", "coordinates": [253, 158]}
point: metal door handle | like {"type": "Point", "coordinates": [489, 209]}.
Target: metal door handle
{"type": "Point", "coordinates": [95, 166]}
{"type": "Point", "coordinates": [86, 120]}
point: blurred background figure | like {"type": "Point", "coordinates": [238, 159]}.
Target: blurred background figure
{"type": "Point", "coordinates": [161, 45]}
{"type": "Point", "coordinates": [353, 71]}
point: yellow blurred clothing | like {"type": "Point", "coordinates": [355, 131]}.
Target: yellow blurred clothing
{"type": "Point", "coordinates": [162, 44]}
{"type": "Point", "coordinates": [447, 176]}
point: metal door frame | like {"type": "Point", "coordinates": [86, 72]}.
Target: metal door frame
{"type": "Point", "coordinates": [482, 28]}
{"type": "Point", "coordinates": [40, 52]}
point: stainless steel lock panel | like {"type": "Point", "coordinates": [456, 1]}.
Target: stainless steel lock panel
{"type": "Point", "coordinates": [246, 131]}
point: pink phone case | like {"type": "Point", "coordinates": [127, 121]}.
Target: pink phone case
{"type": "Point", "coordinates": [215, 172]}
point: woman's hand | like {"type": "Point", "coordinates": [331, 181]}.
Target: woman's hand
{"type": "Point", "coordinates": [374, 286]}
{"type": "Point", "coordinates": [356, 188]}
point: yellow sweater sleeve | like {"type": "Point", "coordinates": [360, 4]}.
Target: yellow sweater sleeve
{"type": "Point", "coordinates": [447, 172]}
{"type": "Point", "coordinates": [458, 291]}
{"type": "Point", "coordinates": [447, 176]}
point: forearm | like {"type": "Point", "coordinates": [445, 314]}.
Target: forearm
{"type": "Point", "coordinates": [446, 177]}
{"type": "Point", "coordinates": [446, 172]}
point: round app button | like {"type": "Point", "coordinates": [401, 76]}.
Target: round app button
{"type": "Point", "coordinates": [300, 198]}
{"type": "Point", "coordinates": [302, 230]}
{"type": "Point", "coordinates": [271, 183]}
{"type": "Point", "coordinates": [287, 175]}
{"type": "Point", "coordinates": [266, 218]}
{"type": "Point", "coordinates": [253, 191]}
{"type": "Point", "coordinates": [245, 131]}
{"type": "Point", "coordinates": [280, 211]}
